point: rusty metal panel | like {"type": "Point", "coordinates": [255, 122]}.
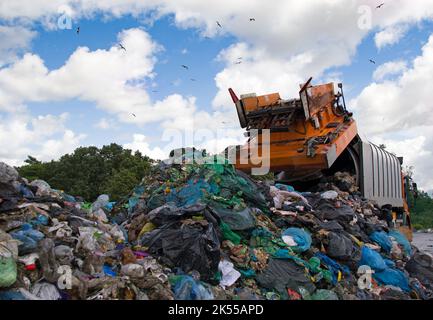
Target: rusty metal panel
{"type": "Point", "coordinates": [250, 104]}
{"type": "Point", "coordinates": [319, 97]}
{"type": "Point", "coordinates": [268, 99]}
{"type": "Point", "coordinates": [380, 176]}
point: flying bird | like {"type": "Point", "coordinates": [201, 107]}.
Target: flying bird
{"type": "Point", "coordinates": [240, 58]}
{"type": "Point", "coordinates": [252, 19]}
{"type": "Point", "coordinates": [372, 61]}
{"type": "Point", "coordinates": [192, 79]}
{"type": "Point", "coordinates": [185, 67]}
{"type": "Point", "coordinates": [218, 24]}
{"type": "Point", "coordinates": [121, 46]}
{"type": "Point", "coordinates": [238, 62]}
{"type": "Point", "coordinates": [380, 5]}
{"type": "Point", "coordinates": [133, 114]}
{"type": "Point", "coordinates": [78, 30]}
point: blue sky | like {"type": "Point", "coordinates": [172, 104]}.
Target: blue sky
{"type": "Point", "coordinates": [320, 39]}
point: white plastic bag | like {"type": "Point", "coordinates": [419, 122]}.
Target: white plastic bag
{"type": "Point", "coordinates": [229, 274]}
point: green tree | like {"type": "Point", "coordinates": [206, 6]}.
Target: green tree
{"type": "Point", "coordinates": [32, 160]}
{"type": "Point", "coordinates": [35, 169]}
{"type": "Point", "coordinates": [91, 171]}
{"type": "Point", "coordinates": [421, 211]}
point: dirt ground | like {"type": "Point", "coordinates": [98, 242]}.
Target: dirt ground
{"type": "Point", "coordinates": [424, 241]}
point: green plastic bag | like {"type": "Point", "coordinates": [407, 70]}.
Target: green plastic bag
{"type": "Point", "coordinates": [323, 294]}
{"type": "Point", "coordinates": [228, 234]}
{"type": "Point", "coordinates": [8, 271]}
{"type": "Point", "coordinates": [314, 267]}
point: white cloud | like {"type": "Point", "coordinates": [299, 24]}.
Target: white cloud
{"type": "Point", "coordinates": [112, 78]}
{"type": "Point", "coordinates": [260, 73]}
{"type": "Point", "coordinates": [392, 68]}
{"type": "Point", "coordinates": [399, 114]}
{"type": "Point", "coordinates": [44, 137]}
{"type": "Point", "coordinates": [218, 144]}
{"type": "Point", "coordinates": [214, 141]}
{"type": "Point", "coordinates": [410, 148]}
{"type": "Point", "coordinates": [139, 143]}
{"type": "Point", "coordinates": [48, 124]}
{"type": "Point", "coordinates": [104, 124]}
{"type": "Point", "coordinates": [389, 36]}
{"type": "Point", "coordinates": [13, 40]}
{"type": "Point", "coordinates": [402, 103]}
{"type": "Point", "coordinates": [329, 27]}
{"type": "Point", "coordinates": [318, 35]}
{"type": "Point", "coordinates": [54, 148]}
{"type": "Point", "coordinates": [417, 150]}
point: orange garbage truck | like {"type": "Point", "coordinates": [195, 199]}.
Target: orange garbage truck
{"type": "Point", "coordinates": [314, 135]}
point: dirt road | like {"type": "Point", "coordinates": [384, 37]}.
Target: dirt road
{"type": "Point", "coordinates": [424, 241]}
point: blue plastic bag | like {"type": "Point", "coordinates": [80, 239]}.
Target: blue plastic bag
{"type": "Point", "coordinates": [29, 238]}
{"type": "Point", "coordinates": [192, 193]}
{"type": "Point", "coordinates": [332, 265]}
{"type": "Point", "coordinates": [284, 187]}
{"type": "Point", "coordinates": [40, 220]}
{"type": "Point", "coordinates": [286, 254]}
{"type": "Point", "coordinates": [133, 200]}
{"type": "Point", "coordinates": [110, 205]}
{"type": "Point", "coordinates": [392, 277]}
{"type": "Point", "coordinates": [11, 295]}
{"type": "Point", "coordinates": [109, 271]}
{"type": "Point", "coordinates": [65, 196]}
{"type": "Point", "coordinates": [249, 273]}
{"type": "Point", "coordinates": [384, 273]}
{"type": "Point", "coordinates": [382, 239]}
{"type": "Point", "coordinates": [68, 197]}
{"type": "Point", "coordinates": [187, 288]}
{"type": "Point", "coordinates": [389, 263]}
{"type": "Point", "coordinates": [301, 237]}
{"type": "Point", "coordinates": [401, 240]}
{"type": "Point", "coordinates": [26, 192]}
{"type": "Point", "coordinates": [372, 259]}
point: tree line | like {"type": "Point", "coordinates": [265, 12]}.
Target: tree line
{"type": "Point", "coordinates": [91, 171]}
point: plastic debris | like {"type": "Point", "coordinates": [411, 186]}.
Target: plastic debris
{"type": "Point", "coordinates": [188, 288]}
{"type": "Point", "coordinates": [229, 274]}
{"type": "Point", "coordinates": [194, 231]}
{"type": "Point", "coordinates": [300, 237]}
{"type": "Point", "coordinates": [382, 239]}
{"type": "Point", "coordinates": [329, 195]}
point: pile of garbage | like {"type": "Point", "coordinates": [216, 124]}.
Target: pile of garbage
{"type": "Point", "coordinates": [204, 231]}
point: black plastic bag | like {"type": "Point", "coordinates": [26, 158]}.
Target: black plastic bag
{"type": "Point", "coordinates": [331, 226]}
{"type": "Point", "coordinates": [9, 197]}
{"type": "Point", "coordinates": [339, 246]}
{"type": "Point", "coordinates": [187, 246]}
{"type": "Point", "coordinates": [420, 267]}
{"type": "Point", "coordinates": [328, 211]}
{"type": "Point", "coordinates": [283, 274]}
{"type": "Point", "coordinates": [169, 213]}
{"type": "Point", "coordinates": [236, 220]}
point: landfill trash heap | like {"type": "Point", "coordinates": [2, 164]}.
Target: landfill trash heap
{"type": "Point", "coordinates": [204, 231]}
